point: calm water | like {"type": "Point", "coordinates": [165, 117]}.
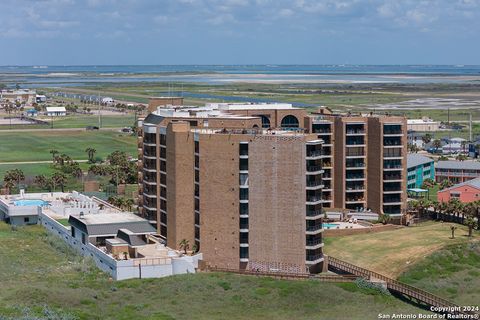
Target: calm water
{"type": "Point", "coordinates": [219, 74]}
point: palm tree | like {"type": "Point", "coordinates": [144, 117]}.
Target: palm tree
{"type": "Point", "coordinates": [453, 228]}
{"type": "Point", "coordinates": [445, 184]}
{"type": "Point", "coordinates": [59, 179]}
{"type": "Point", "coordinates": [53, 152]}
{"type": "Point", "coordinates": [461, 157]}
{"type": "Point", "coordinates": [471, 211]}
{"type": "Point", "coordinates": [129, 204]}
{"type": "Point", "coordinates": [91, 154]}
{"type": "Point", "coordinates": [184, 245]}
{"type": "Point", "coordinates": [436, 144]}
{"type": "Point", "coordinates": [427, 138]}
{"type": "Point", "coordinates": [41, 180]}
{"type": "Point", "coordinates": [13, 177]}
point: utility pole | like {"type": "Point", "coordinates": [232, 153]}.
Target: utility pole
{"type": "Point", "coordinates": [470, 122]}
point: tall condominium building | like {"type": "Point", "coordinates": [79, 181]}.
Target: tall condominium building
{"type": "Point", "coordinates": [247, 183]}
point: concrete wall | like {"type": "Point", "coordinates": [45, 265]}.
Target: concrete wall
{"type": "Point", "coordinates": [277, 203]}
{"type": "Point", "coordinates": [123, 269]}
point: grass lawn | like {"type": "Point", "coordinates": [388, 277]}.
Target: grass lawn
{"type": "Point", "coordinates": [452, 272]}
{"type": "Point", "coordinates": [393, 252]}
{"type": "Point", "coordinates": [35, 146]}
{"type": "Point", "coordinates": [81, 121]}
{"type": "Point", "coordinates": [39, 271]}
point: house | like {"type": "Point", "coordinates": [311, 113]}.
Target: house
{"type": "Point", "coordinates": [22, 96]}
{"type": "Point", "coordinates": [424, 124]}
{"type": "Point", "coordinates": [466, 192]}
{"type": "Point", "coordinates": [32, 113]}
{"type": "Point", "coordinates": [419, 168]}
{"type": "Point", "coordinates": [97, 228]}
{"type": "Point", "coordinates": [56, 111]}
{"type": "Point", "coordinates": [416, 138]}
{"type": "Point", "coordinates": [457, 171]}
{"type": "Point", "coordinates": [40, 98]}
{"type": "Point", "coordinates": [108, 100]}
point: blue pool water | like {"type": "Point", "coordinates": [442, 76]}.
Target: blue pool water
{"type": "Point", "coordinates": [30, 202]}
{"type": "Point", "coordinates": [330, 225]}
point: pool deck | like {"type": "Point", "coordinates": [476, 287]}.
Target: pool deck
{"type": "Point", "coordinates": [344, 225]}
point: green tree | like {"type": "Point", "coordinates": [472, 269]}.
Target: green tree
{"type": "Point", "coordinates": [13, 177]}
{"type": "Point", "coordinates": [59, 179]}
{"type": "Point", "coordinates": [184, 245]}
{"type": "Point", "coordinates": [427, 138]}
{"type": "Point", "coordinates": [437, 144]}
{"type": "Point", "coordinates": [54, 153]}
{"type": "Point", "coordinates": [91, 153]}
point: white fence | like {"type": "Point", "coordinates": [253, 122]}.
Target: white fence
{"type": "Point", "coordinates": [122, 269]}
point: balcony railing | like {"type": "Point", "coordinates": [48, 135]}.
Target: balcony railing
{"type": "Point", "coordinates": [314, 242]}
{"type": "Point", "coordinates": [392, 177]}
{"type": "Point", "coordinates": [314, 257]}
{"type": "Point", "coordinates": [314, 228]}
{"type": "Point", "coordinates": [355, 164]}
{"type": "Point", "coordinates": [355, 176]}
{"type": "Point", "coordinates": [314, 168]}
{"type": "Point", "coordinates": [314, 153]}
{"type": "Point", "coordinates": [314, 183]}
{"type": "Point", "coordinates": [314, 213]}
{"type": "Point", "coordinates": [358, 131]}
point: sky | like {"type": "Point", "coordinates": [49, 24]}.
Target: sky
{"type": "Point", "coordinates": [145, 32]}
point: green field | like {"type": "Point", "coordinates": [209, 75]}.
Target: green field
{"type": "Point", "coordinates": [393, 252]}
{"type": "Point", "coordinates": [35, 146]}
{"type": "Point", "coordinates": [423, 255]}
{"type": "Point", "coordinates": [452, 272]}
{"type": "Point", "coordinates": [39, 272]}
{"type": "Point", "coordinates": [80, 121]}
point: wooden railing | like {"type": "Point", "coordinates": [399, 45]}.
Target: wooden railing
{"type": "Point", "coordinates": [285, 275]}
{"type": "Point", "coordinates": [395, 285]}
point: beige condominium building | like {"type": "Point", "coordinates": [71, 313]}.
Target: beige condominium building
{"type": "Point", "coordinates": [247, 183]}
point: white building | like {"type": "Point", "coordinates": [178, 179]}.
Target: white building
{"type": "Point", "coordinates": [108, 100]}
{"type": "Point", "coordinates": [424, 124]}
{"type": "Point", "coordinates": [56, 111]}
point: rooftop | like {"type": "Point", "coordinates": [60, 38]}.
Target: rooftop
{"type": "Point", "coordinates": [459, 165]}
{"type": "Point", "coordinates": [414, 160]}
{"type": "Point", "coordinates": [475, 183]}
{"type": "Point", "coordinates": [110, 223]}
{"type": "Point", "coordinates": [421, 121]}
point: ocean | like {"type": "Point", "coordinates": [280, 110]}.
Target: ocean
{"type": "Point", "coordinates": [58, 76]}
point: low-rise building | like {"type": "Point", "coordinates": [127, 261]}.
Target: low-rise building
{"type": "Point", "coordinates": [424, 124]}
{"type": "Point", "coordinates": [419, 168]}
{"type": "Point", "coordinates": [25, 97]}
{"type": "Point", "coordinates": [457, 171]}
{"type": "Point", "coordinates": [466, 192]}
{"type": "Point", "coordinates": [56, 111]}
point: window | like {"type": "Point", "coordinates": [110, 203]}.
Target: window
{"type": "Point", "coordinates": [289, 122]}
{"type": "Point", "coordinates": [265, 121]}
{"type": "Point", "coordinates": [26, 219]}
{"type": "Point", "coordinates": [84, 238]}
{"type": "Point", "coordinates": [73, 232]}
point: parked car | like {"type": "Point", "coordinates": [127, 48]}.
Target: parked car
{"type": "Point", "coordinates": [92, 128]}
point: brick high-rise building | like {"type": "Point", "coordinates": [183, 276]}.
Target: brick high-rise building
{"type": "Point", "coordinates": [247, 183]}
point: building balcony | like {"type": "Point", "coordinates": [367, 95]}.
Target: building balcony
{"type": "Point", "coordinates": [312, 155]}
{"type": "Point", "coordinates": [315, 142]}
{"type": "Point", "coordinates": [351, 190]}
{"type": "Point", "coordinates": [149, 143]}
{"type": "Point", "coordinates": [311, 230]}
{"type": "Point", "coordinates": [314, 185]}
{"type": "Point", "coordinates": [352, 201]}
{"type": "Point", "coordinates": [313, 170]}
{"type": "Point", "coordinates": [149, 170]}
{"type": "Point", "coordinates": [244, 245]}
{"type": "Point", "coordinates": [243, 259]}
{"type": "Point", "coordinates": [392, 191]}
{"type": "Point", "coordinates": [314, 259]}
{"type": "Point", "coordinates": [146, 207]}
{"type": "Point", "coordinates": [313, 200]}
{"type": "Point", "coordinates": [355, 132]}
{"type": "Point", "coordinates": [397, 203]}
{"type": "Point", "coordinates": [355, 178]}
{"type": "Point", "coordinates": [244, 229]}
{"type": "Point", "coordinates": [314, 214]}
{"type": "Point", "coordinates": [149, 195]}
{"type": "Point", "coordinates": [314, 244]}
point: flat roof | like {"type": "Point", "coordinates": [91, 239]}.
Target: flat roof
{"type": "Point", "coordinates": [422, 121]}
{"type": "Point", "coordinates": [453, 164]}
{"type": "Point", "coordinates": [414, 160]}
{"type": "Point", "coordinates": [56, 109]}
{"type": "Point", "coordinates": [106, 218]}
{"type": "Point", "coordinates": [110, 223]}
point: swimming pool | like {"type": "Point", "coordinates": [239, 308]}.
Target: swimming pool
{"type": "Point", "coordinates": [30, 202]}
{"type": "Point", "coordinates": [330, 225]}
